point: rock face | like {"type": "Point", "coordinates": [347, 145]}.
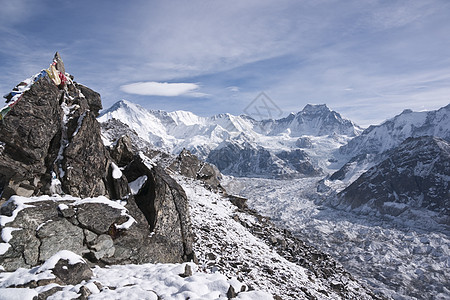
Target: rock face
{"type": "Point", "coordinates": [51, 144]}
{"type": "Point", "coordinates": [415, 175]}
{"type": "Point", "coordinates": [53, 130]}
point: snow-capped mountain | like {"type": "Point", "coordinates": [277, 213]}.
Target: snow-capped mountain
{"type": "Point", "coordinates": [391, 133]}
{"type": "Point", "coordinates": [415, 175]}
{"type": "Point", "coordinates": [226, 140]}
{"type": "Point", "coordinates": [376, 143]}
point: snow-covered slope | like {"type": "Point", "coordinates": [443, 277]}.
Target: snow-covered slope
{"type": "Point", "coordinates": [377, 143]}
{"type": "Point", "coordinates": [240, 242]}
{"type": "Point", "coordinates": [377, 139]}
{"type": "Point", "coordinates": [317, 130]}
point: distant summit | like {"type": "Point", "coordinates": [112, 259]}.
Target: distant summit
{"type": "Point", "coordinates": [227, 140]}
{"type": "Point", "coordinates": [391, 133]}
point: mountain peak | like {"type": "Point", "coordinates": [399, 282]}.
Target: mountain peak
{"type": "Point", "coordinates": [315, 109]}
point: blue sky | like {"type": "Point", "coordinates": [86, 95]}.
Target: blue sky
{"type": "Point", "coordinates": [366, 59]}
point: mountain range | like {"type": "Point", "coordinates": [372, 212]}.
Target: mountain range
{"type": "Point", "coordinates": [295, 146]}
{"type": "Point", "coordinates": [313, 142]}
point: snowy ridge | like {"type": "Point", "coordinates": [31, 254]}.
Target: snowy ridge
{"type": "Point", "coordinates": [388, 135]}
{"type": "Point", "coordinates": [326, 131]}
{"type": "Point", "coordinates": [414, 175]}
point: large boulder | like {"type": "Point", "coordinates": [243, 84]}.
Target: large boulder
{"type": "Point", "coordinates": [165, 206]}
{"type": "Point", "coordinates": [52, 132]}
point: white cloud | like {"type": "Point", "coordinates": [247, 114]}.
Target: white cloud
{"type": "Point", "coordinates": [153, 88]}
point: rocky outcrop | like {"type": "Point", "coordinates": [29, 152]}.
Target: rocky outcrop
{"type": "Point", "coordinates": [101, 230]}
{"type": "Point", "coordinates": [51, 144]}
{"type": "Point", "coordinates": [53, 130]}
{"type": "Point", "coordinates": [190, 166]}
{"type": "Point", "coordinates": [415, 175]}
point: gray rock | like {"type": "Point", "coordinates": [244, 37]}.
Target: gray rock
{"type": "Point", "coordinates": [28, 131]}
{"type": "Point", "coordinates": [98, 217]}
{"type": "Point", "coordinates": [190, 166]}
{"type": "Point", "coordinates": [44, 295]}
{"type": "Point", "coordinates": [92, 97]}
{"type": "Point", "coordinates": [89, 236]}
{"type": "Point", "coordinates": [123, 152]}
{"type": "Point", "coordinates": [72, 274]}
{"type": "Point", "coordinates": [165, 206]}
{"type": "Point", "coordinates": [59, 63]}
{"type": "Point", "coordinates": [104, 247]}
{"type": "Point", "coordinates": [231, 293]}
{"type": "Point", "coordinates": [187, 271]}
{"type": "Point", "coordinates": [59, 235]}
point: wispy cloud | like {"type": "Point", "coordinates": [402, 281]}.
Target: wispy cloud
{"type": "Point", "coordinates": [166, 89]}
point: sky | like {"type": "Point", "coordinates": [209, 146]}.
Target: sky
{"type": "Point", "coordinates": [366, 59]}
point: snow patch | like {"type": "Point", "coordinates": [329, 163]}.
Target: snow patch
{"type": "Point", "coordinates": [137, 184]}
{"type": "Point", "coordinates": [4, 247]}
{"type": "Point", "coordinates": [116, 172]}
{"type": "Point", "coordinates": [7, 233]}
{"type": "Point", "coordinates": [50, 263]}
{"type": "Point", "coordinates": [18, 294]}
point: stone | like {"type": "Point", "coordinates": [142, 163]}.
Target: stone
{"type": "Point", "coordinates": [89, 236]}
{"type": "Point", "coordinates": [187, 271]}
{"type": "Point", "coordinates": [72, 274]}
{"type": "Point", "coordinates": [98, 217]}
{"type": "Point", "coordinates": [104, 247]}
{"type": "Point", "coordinates": [239, 202]}
{"type": "Point", "coordinates": [231, 293]}
{"type": "Point", "coordinates": [44, 295]}
{"type": "Point", "coordinates": [122, 152]}
{"type": "Point", "coordinates": [59, 235]}
{"type": "Point", "coordinates": [165, 206]}
{"type": "Point", "coordinates": [92, 97]}
{"type": "Point", "coordinates": [85, 159]}
{"type": "Point", "coordinates": [118, 187]}
{"type": "Point", "coordinates": [59, 63]}
{"type": "Point", "coordinates": [84, 293]}
{"type": "Point", "coordinates": [28, 131]}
